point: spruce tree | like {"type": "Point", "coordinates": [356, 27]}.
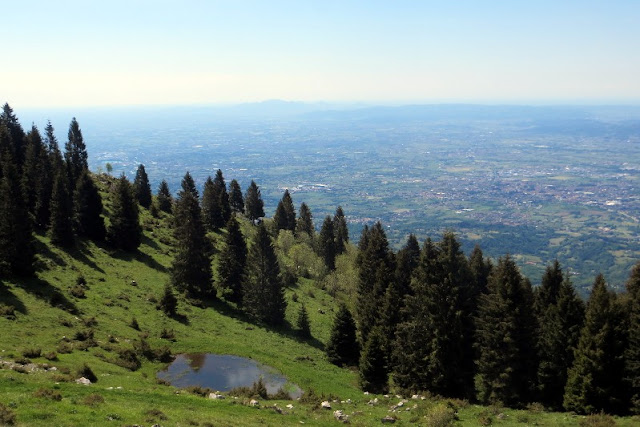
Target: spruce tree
{"type": "Point", "coordinates": [168, 302]}
{"type": "Point", "coordinates": [87, 208]}
{"type": "Point", "coordinates": [285, 216]}
{"type": "Point", "coordinates": [232, 261]}
{"type": "Point", "coordinates": [16, 141]}
{"type": "Point", "coordinates": [55, 155]}
{"type": "Point", "coordinates": [302, 323]}
{"type": "Point", "coordinates": [211, 209]}
{"type": "Point", "coordinates": [223, 198]}
{"type": "Point", "coordinates": [594, 381]}
{"type": "Point", "coordinates": [142, 188]}
{"type": "Point", "coordinates": [343, 349]}
{"type": "Point", "coordinates": [164, 198]}
{"type": "Point", "coordinates": [188, 184]}
{"type": "Point", "coordinates": [253, 204]}
{"type": "Point", "coordinates": [560, 315]}
{"type": "Point", "coordinates": [61, 226]}
{"type": "Point", "coordinates": [327, 244]}
{"type": "Point", "coordinates": [407, 260]}
{"type": "Point", "coordinates": [16, 237]}
{"type": "Point", "coordinates": [374, 376]}
{"type": "Point", "coordinates": [75, 153]}
{"type": "Point", "coordinates": [632, 354]}
{"type": "Point", "coordinates": [341, 230]}
{"type": "Point", "coordinates": [480, 271]}
{"type": "Point", "coordinates": [236, 200]}
{"type": "Point", "coordinates": [505, 338]}
{"type": "Point", "coordinates": [191, 268]}
{"type": "Point", "coordinates": [124, 231]}
{"type": "Point", "coordinates": [263, 290]}
{"type": "Point", "coordinates": [304, 222]}
{"type": "Point", "coordinates": [35, 170]}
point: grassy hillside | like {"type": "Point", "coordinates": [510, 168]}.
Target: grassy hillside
{"type": "Point", "coordinates": [58, 325]}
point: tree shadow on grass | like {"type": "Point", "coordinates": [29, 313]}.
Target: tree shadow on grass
{"type": "Point", "coordinates": [44, 251]}
{"type": "Point", "coordinates": [8, 298]}
{"type": "Point", "coordinates": [80, 253]}
{"type": "Point", "coordinates": [44, 290]}
{"type": "Point", "coordinates": [141, 257]}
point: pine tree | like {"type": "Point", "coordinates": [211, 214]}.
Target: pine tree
{"type": "Point", "coordinates": [34, 170]}
{"type": "Point", "coordinates": [594, 381]}
{"type": "Point", "coordinates": [480, 271]}
{"type": "Point", "coordinates": [188, 184]}
{"type": "Point", "coordinates": [285, 216]}
{"type": "Point", "coordinates": [124, 232]}
{"type": "Point", "coordinates": [253, 204]}
{"type": "Point", "coordinates": [16, 141]}
{"type": "Point", "coordinates": [560, 316]}
{"type": "Point", "coordinates": [55, 155]}
{"type": "Point", "coordinates": [304, 329]}
{"type": "Point", "coordinates": [632, 353]}
{"type": "Point", "coordinates": [223, 198]}
{"type": "Point", "coordinates": [164, 198]}
{"type": "Point", "coordinates": [374, 376]}
{"type": "Point", "coordinates": [236, 201]}
{"type": "Point", "coordinates": [211, 210]}
{"type": "Point", "coordinates": [304, 222]}
{"type": "Point", "coordinates": [16, 237]}
{"type": "Point", "coordinates": [232, 261]}
{"type": "Point", "coordinates": [341, 231]}
{"type": "Point", "coordinates": [61, 226]}
{"type": "Point", "coordinates": [343, 349]}
{"type": "Point", "coordinates": [142, 188]}
{"type": "Point", "coordinates": [75, 153]}
{"type": "Point", "coordinates": [326, 243]}
{"type": "Point", "coordinates": [168, 302]}
{"type": "Point", "coordinates": [263, 291]}
{"type": "Point", "coordinates": [505, 338]}
{"type": "Point", "coordinates": [191, 268]}
{"type": "Point", "coordinates": [88, 208]}
{"type": "Point", "coordinates": [376, 271]}
{"type": "Point", "coordinates": [407, 260]}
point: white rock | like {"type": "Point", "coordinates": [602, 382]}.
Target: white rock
{"type": "Point", "coordinates": [254, 403]}
{"type": "Point", "coordinates": [83, 380]}
{"type": "Point", "coordinates": [216, 396]}
{"type": "Point", "coordinates": [289, 406]}
{"type": "Point", "coordinates": [415, 397]}
{"type": "Point", "coordinates": [366, 393]}
{"type": "Point", "coordinates": [326, 405]}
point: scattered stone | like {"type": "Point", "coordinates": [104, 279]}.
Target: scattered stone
{"type": "Point", "coordinates": [325, 405]}
{"type": "Point", "coordinates": [278, 409]}
{"type": "Point", "coordinates": [216, 396]}
{"type": "Point", "coordinates": [373, 402]}
{"type": "Point", "coordinates": [366, 393]}
{"type": "Point", "coordinates": [415, 397]}
{"type": "Point", "coordinates": [254, 403]}
{"type": "Point", "coordinates": [289, 406]}
{"type": "Point", "coordinates": [388, 420]}
{"type": "Point", "coordinates": [134, 283]}
{"type": "Point", "coordinates": [386, 396]}
{"type": "Point", "coordinates": [341, 416]}
{"type": "Point", "coordinates": [83, 380]}
{"type": "Point", "coordinates": [398, 396]}
{"type": "Point", "coordinates": [500, 416]}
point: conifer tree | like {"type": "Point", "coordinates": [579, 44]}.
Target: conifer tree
{"type": "Point", "coordinates": [594, 381]}
{"type": "Point", "coordinates": [236, 200]}
{"type": "Point", "coordinates": [16, 238]}
{"type": "Point", "coordinates": [304, 329]}
{"type": "Point", "coordinates": [223, 198]}
{"type": "Point", "coordinates": [376, 271]}
{"type": "Point", "coordinates": [125, 231]}
{"type": "Point", "coordinates": [55, 155]}
{"type": "Point", "coordinates": [253, 204]}
{"type": "Point", "coordinates": [407, 260]}
{"type": "Point", "coordinates": [327, 244]}
{"type": "Point", "coordinates": [164, 198]}
{"type": "Point", "coordinates": [191, 268]}
{"type": "Point", "coordinates": [343, 349]}
{"type": "Point", "coordinates": [480, 271]}
{"type": "Point", "coordinates": [232, 261]}
{"type": "Point", "coordinates": [142, 188]}
{"type": "Point", "coordinates": [505, 338]}
{"type": "Point", "coordinates": [374, 376]}
{"type": "Point", "coordinates": [168, 302]}
{"type": "Point", "coordinates": [263, 290]}
{"type": "Point", "coordinates": [632, 354]}
{"type": "Point", "coordinates": [87, 208]}
{"type": "Point", "coordinates": [75, 153]}
{"type": "Point", "coordinates": [304, 222]}
{"type": "Point", "coordinates": [16, 141]}
{"type": "Point", "coordinates": [35, 169]}
{"type": "Point", "coordinates": [341, 230]}
{"type": "Point", "coordinates": [61, 226]}
{"type": "Point", "coordinates": [285, 216]}
{"type": "Point", "coordinates": [211, 210]}
{"type": "Point", "coordinates": [188, 184]}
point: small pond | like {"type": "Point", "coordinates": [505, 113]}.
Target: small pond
{"type": "Point", "coordinates": [223, 372]}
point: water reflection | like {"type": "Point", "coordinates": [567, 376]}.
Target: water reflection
{"type": "Point", "coordinates": [223, 372]}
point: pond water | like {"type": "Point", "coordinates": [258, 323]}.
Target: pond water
{"type": "Point", "coordinates": [223, 372]}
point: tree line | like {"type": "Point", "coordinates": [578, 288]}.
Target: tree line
{"type": "Point", "coordinates": [426, 318]}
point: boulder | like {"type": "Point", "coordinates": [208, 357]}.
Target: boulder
{"type": "Point", "coordinates": [388, 420]}
{"type": "Point", "coordinates": [325, 405]}
{"type": "Point", "coordinates": [83, 380]}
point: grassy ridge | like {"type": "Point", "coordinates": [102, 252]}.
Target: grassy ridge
{"type": "Point", "coordinates": [52, 316]}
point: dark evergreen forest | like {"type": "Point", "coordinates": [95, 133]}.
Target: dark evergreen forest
{"type": "Point", "coordinates": [427, 318]}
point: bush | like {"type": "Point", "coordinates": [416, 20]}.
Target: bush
{"type": "Point", "coordinates": [200, 391]}
{"type": "Point", "coordinates": [259, 389]}
{"type": "Point", "coordinates": [89, 322]}
{"type": "Point", "coordinates": [85, 371]}
{"type": "Point", "coordinates": [281, 394]}
{"type": "Point", "coordinates": [598, 420]}
{"type": "Point", "coordinates": [84, 335]}
{"type": "Point", "coordinates": [31, 352]}
{"type": "Point", "coordinates": [441, 415]}
{"type": "Point", "coordinates": [93, 399]}
{"type": "Point", "coordinates": [46, 393]}
{"type": "Point", "coordinates": [64, 347]}
{"type": "Point", "coordinates": [77, 291]}
{"type": "Point", "coordinates": [128, 359]}
{"type": "Point", "coordinates": [134, 324]}
{"type": "Point", "coordinates": [7, 311]}
{"type": "Point", "coordinates": [7, 417]}
{"type": "Point", "coordinates": [22, 360]}
{"type": "Point", "coordinates": [168, 334]}
{"type": "Point", "coordinates": [52, 355]}
{"type": "Point", "coordinates": [168, 302]}
{"type": "Point", "coordinates": [81, 281]}
{"type": "Point", "coordinates": [155, 414]}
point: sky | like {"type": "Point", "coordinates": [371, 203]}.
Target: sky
{"type": "Point", "coordinates": [156, 52]}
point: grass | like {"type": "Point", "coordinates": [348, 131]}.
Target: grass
{"type": "Point", "coordinates": [66, 336]}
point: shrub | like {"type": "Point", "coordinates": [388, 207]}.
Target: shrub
{"type": "Point", "coordinates": [281, 394]}
{"type": "Point", "coordinates": [7, 311]}
{"type": "Point", "coordinates": [81, 281]}
{"type": "Point", "coordinates": [7, 417]}
{"type": "Point", "coordinates": [128, 359]}
{"type": "Point", "coordinates": [168, 334]}
{"type": "Point", "coordinates": [85, 371]}
{"type": "Point", "coordinates": [134, 324]}
{"type": "Point", "coordinates": [259, 389]}
{"type": "Point", "coordinates": [46, 393]}
{"type": "Point", "coordinates": [89, 322]}
{"type": "Point", "coordinates": [93, 399]}
{"type": "Point", "coordinates": [31, 352]}
{"type": "Point", "coordinates": [441, 415]}
{"type": "Point", "coordinates": [52, 355]}
{"type": "Point", "coordinates": [200, 391]}
{"type": "Point", "coordinates": [155, 414]}
{"type": "Point", "coordinates": [22, 360]}
{"type": "Point", "coordinates": [77, 291]}
{"type": "Point", "coordinates": [163, 354]}
{"type": "Point", "coordinates": [598, 420]}
{"type": "Point", "coordinates": [84, 335]}
{"type": "Point", "coordinates": [64, 347]}
{"type": "Point", "coordinates": [168, 302]}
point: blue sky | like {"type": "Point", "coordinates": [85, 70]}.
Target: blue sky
{"type": "Point", "coordinates": [139, 52]}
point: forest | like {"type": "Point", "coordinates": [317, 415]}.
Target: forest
{"type": "Point", "coordinates": [427, 318]}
